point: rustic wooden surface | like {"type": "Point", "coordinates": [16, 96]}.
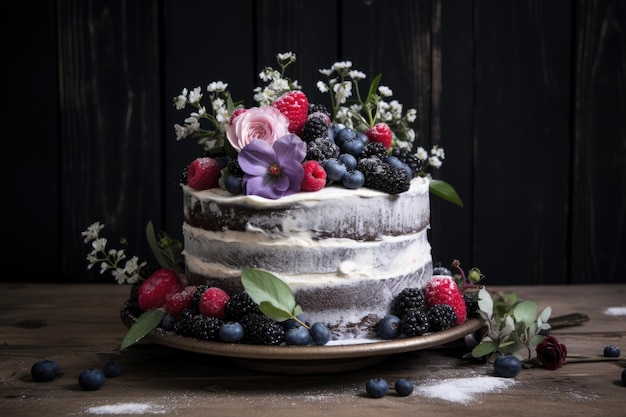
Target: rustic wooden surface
{"type": "Point", "coordinates": [78, 326]}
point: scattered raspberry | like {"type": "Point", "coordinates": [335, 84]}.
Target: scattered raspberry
{"type": "Point", "coordinates": [203, 173]}
{"type": "Point", "coordinates": [157, 289]}
{"type": "Point", "coordinates": [180, 301]}
{"type": "Point", "coordinates": [380, 133]}
{"type": "Point", "coordinates": [213, 303]}
{"type": "Point", "coordinates": [295, 106]}
{"type": "Point", "coordinates": [442, 289]}
{"type": "Point", "coordinates": [236, 113]}
{"type": "Point", "coordinates": [314, 176]}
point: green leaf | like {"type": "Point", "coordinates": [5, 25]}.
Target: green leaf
{"type": "Point", "coordinates": [278, 314]}
{"type": "Point", "coordinates": [145, 323]}
{"type": "Point", "coordinates": [174, 249]}
{"type": "Point", "coordinates": [535, 340]}
{"type": "Point", "coordinates": [265, 287]}
{"type": "Point", "coordinates": [545, 315]}
{"type": "Point", "coordinates": [526, 312]}
{"type": "Point", "coordinates": [485, 302]}
{"type": "Point", "coordinates": [373, 87]}
{"type": "Point", "coordinates": [444, 190]}
{"type": "Point", "coordinates": [484, 349]}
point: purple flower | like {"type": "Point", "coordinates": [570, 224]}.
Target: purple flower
{"type": "Point", "coordinates": [273, 171]}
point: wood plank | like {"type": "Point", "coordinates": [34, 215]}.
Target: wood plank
{"type": "Point", "coordinates": [599, 154]}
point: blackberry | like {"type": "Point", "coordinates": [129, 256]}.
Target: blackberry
{"type": "Point", "coordinates": [414, 322]}
{"type": "Point", "coordinates": [261, 330]}
{"type": "Point", "coordinates": [382, 176]}
{"type": "Point", "coordinates": [441, 317]}
{"type": "Point", "coordinates": [409, 298]}
{"type": "Point", "coordinates": [206, 328]}
{"type": "Point", "coordinates": [471, 303]}
{"type": "Point", "coordinates": [315, 127]}
{"type": "Point", "coordinates": [321, 149]}
{"type": "Point", "coordinates": [313, 108]}
{"type": "Point", "coordinates": [184, 323]}
{"type": "Point", "coordinates": [234, 168]}
{"type": "Point", "coordinates": [376, 149]}
{"type": "Point", "coordinates": [408, 158]}
{"type": "Point", "coordinates": [239, 305]}
{"type": "Point", "coordinates": [197, 296]}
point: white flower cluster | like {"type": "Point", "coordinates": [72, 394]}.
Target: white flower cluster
{"type": "Point", "coordinates": [122, 271]}
{"type": "Point", "coordinates": [277, 83]}
{"type": "Point", "coordinates": [361, 113]}
{"type": "Point", "coordinates": [434, 159]}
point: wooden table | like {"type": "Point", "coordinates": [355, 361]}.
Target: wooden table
{"type": "Point", "coordinates": [79, 327]}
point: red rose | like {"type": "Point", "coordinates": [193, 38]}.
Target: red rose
{"type": "Point", "coordinates": [551, 353]}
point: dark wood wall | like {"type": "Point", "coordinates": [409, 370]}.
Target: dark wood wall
{"type": "Point", "coordinates": [528, 99]}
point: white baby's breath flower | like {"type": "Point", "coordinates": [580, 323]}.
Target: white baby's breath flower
{"type": "Point", "coordinates": [222, 115]}
{"type": "Point", "coordinates": [342, 91]}
{"type": "Point", "coordinates": [326, 72]}
{"type": "Point", "coordinates": [180, 131]}
{"type": "Point", "coordinates": [285, 56]}
{"type": "Point", "coordinates": [195, 96]}
{"type": "Point", "coordinates": [216, 87]}
{"type": "Point", "coordinates": [322, 87]}
{"type": "Point", "coordinates": [92, 231]}
{"type": "Point", "coordinates": [356, 75]}
{"type": "Point", "coordinates": [385, 91]}
{"type": "Point", "coordinates": [421, 153]}
{"type": "Point", "coordinates": [438, 152]}
{"type": "Point", "coordinates": [99, 244]}
{"type": "Point", "coordinates": [181, 100]}
{"type": "Point", "coordinates": [342, 65]}
{"type": "Point", "coordinates": [434, 161]}
{"type": "Point", "coordinates": [119, 275]}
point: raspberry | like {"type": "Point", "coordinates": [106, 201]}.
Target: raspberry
{"type": "Point", "coordinates": [294, 105]}
{"type": "Point", "coordinates": [180, 301]}
{"type": "Point", "coordinates": [157, 289]}
{"type": "Point", "coordinates": [213, 303]}
{"type": "Point", "coordinates": [203, 173]}
{"type": "Point", "coordinates": [236, 113]}
{"type": "Point", "coordinates": [442, 289]}
{"type": "Point", "coordinates": [314, 176]}
{"type": "Point", "coordinates": [380, 132]}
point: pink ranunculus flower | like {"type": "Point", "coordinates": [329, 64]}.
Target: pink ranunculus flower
{"type": "Point", "coordinates": [263, 123]}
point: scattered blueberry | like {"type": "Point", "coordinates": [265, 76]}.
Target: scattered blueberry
{"type": "Point", "coordinates": [231, 332]}
{"type": "Point", "coordinates": [45, 370]}
{"type": "Point", "coordinates": [298, 336]}
{"type": "Point", "coordinates": [377, 387]}
{"type": "Point", "coordinates": [112, 369]}
{"type": "Point", "coordinates": [507, 366]}
{"type": "Point", "coordinates": [611, 351]}
{"type": "Point", "coordinates": [403, 387]}
{"type": "Point", "coordinates": [353, 179]}
{"type": "Point", "coordinates": [91, 379]}
{"type": "Point", "coordinates": [389, 327]}
{"type": "Point", "coordinates": [320, 333]}
{"type": "Point", "coordinates": [167, 322]}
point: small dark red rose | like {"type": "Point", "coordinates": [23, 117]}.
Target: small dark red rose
{"type": "Point", "coordinates": [551, 353]}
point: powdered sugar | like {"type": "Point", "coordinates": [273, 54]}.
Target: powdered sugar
{"type": "Point", "coordinates": [615, 311]}
{"type": "Point", "coordinates": [127, 408]}
{"type": "Point", "coordinates": [462, 390]}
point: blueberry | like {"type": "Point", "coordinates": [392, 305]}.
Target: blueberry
{"type": "Point", "coordinates": [403, 387]}
{"type": "Point", "coordinates": [353, 179]}
{"type": "Point", "coordinates": [112, 369]}
{"type": "Point", "coordinates": [349, 161]}
{"type": "Point", "coordinates": [45, 370]}
{"type": "Point", "coordinates": [611, 351]}
{"type": "Point", "coordinates": [507, 366]}
{"type": "Point", "coordinates": [298, 336]}
{"type": "Point", "coordinates": [320, 333]}
{"type": "Point", "coordinates": [335, 170]}
{"type": "Point", "coordinates": [352, 146]}
{"type": "Point", "coordinates": [343, 135]}
{"type": "Point", "coordinates": [231, 332]}
{"type": "Point", "coordinates": [395, 162]}
{"type": "Point", "coordinates": [233, 184]}
{"type": "Point", "coordinates": [442, 270]}
{"type": "Point", "coordinates": [389, 327]}
{"type": "Point", "coordinates": [291, 323]}
{"type": "Point", "coordinates": [377, 387]}
{"type": "Point", "coordinates": [167, 322]}
{"type": "Point", "coordinates": [91, 379]}
{"type": "Point", "coordinates": [363, 138]}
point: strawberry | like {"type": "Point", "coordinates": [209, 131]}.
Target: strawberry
{"type": "Point", "coordinates": [381, 132]}
{"type": "Point", "coordinates": [180, 301]}
{"type": "Point", "coordinates": [157, 289]}
{"type": "Point", "coordinates": [294, 105]}
{"type": "Point", "coordinates": [213, 303]}
{"type": "Point", "coordinates": [442, 289]}
{"type": "Point", "coordinates": [314, 176]}
{"type": "Point", "coordinates": [203, 173]}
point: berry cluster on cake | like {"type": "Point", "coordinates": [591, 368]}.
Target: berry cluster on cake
{"type": "Point", "coordinates": [327, 207]}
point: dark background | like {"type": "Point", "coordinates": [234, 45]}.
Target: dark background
{"type": "Point", "coordinates": [528, 99]}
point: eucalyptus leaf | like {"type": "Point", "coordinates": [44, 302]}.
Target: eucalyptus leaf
{"type": "Point", "coordinates": [536, 339]}
{"type": "Point", "coordinates": [263, 286]}
{"type": "Point", "coordinates": [444, 190]}
{"type": "Point", "coordinates": [545, 314]}
{"type": "Point", "coordinates": [145, 323]}
{"type": "Point", "coordinates": [484, 348]}
{"type": "Point", "coordinates": [485, 302]}
{"type": "Point", "coordinates": [274, 313]}
{"type": "Point", "coordinates": [526, 312]}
